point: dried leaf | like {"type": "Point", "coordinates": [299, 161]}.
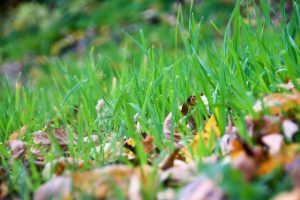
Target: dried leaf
{"type": "Point", "coordinates": [266, 125]}
{"type": "Point", "coordinates": [168, 194]}
{"type": "Point", "coordinates": [168, 162]}
{"type": "Point", "coordinates": [274, 143]}
{"type": "Point", "coordinates": [289, 128]}
{"type": "Point", "coordinates": [91, 139]}
{"type": "Point", "coordinates": [292, 195]}
{"type": "Point", "coordinates": [100, 183]}
{"type": "Point", "coordinates": [210, 130]}
{"type": "Point", "coordinates": [277, 103]}
{"type": "Point", "coordinates": [18, 134]}
{"type": "Point", "coordinates": [134, 191]}
{"type": "Point", "coordinates": [17, 148]}
{"type": "Point", "coordinates": [167, 129]}
{"type": "Point", "coordinates": [99, 106]}
{"type": "Point", "coordinates": [58, 166]}
{"type": "Point", "coordinates": [287, 155]}
{"type": "Point", "coordinates": [148, 144]}
{"type": "Point", "coordinates": [44, 140]}
{"type": "Point", "coordinates": [245, 164]}
{"type": "Point", "coordinates": [57, 188]}
{"type": "Point", "coordinates": [180, 173]}
{"type": "Point", "coordinates": [185, 109]}
{"type": "Point", "coordinates": [3, 190]}
{"type": "Point", "coordinates": [201, 188]}
{"type": "Point", "coordinates": [227, 143]}
{"type": "Point", "coordinates": [293, 169]}
{"type": "Point", "coordinates": [41, 138]}
{"type": "Point", "coordinates": [289, 85]}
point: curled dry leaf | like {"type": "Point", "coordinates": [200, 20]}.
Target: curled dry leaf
{"type": "Point", "coordinates": [202, 188]}
{"type": "Point", "coordinates": [57, 188]}
{"type": "Point", "coordinates": [17, 148]}
{"type": "Point", "coordinates": [289, 128]}
{"type": "Point", "coordinates": [167, 129]}
{"type": "Point", "coordinates": [167, 126]}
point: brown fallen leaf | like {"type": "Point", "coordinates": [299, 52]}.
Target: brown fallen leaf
{"type": "Point", "coordinates": [264, 126]}
{"type": "Point", "coordinates": [245, 164]}
{"type": "Point", "coordinates": [57, 188]}
{"type": "Point", "coordinates": [148, 144]}
{"type": "Point", "coordinates": [185, 109]}
{"type": "Point", "coordinates": [227, 143]}
{"type": "Point", "coordinates": [43, 140]}
{"type": "Point", "coordinates": [286, 156]}
{"type": "Point", "coordinates": [181, 173]}
{"type": "Point", "coordinates": [289, 85]}
{"type": "Point", "coordinates": [58, 166]}
{"type": "Point", "coordinates": [100, 183]}
{"type": "Point", "coordinates": [277, 103]}
{"type": "Point", "coordinates": [3, 190]}
{"type": "Point", "coordinates": [17, 148]}
{"type": "Point", "coordinates": [18, 134]}
{"type": "Point", "coordinates": [168, 162]}
{"type": "Point", "coordinates": [202, 188]}
{"type": "Point", "coordinates": [293, 169]}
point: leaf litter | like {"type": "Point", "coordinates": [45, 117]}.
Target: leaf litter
{"type": "Point", "coordinates": [273, 145]}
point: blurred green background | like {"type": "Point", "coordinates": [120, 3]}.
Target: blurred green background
{"type": "Point", "coordinates": [32, 32]}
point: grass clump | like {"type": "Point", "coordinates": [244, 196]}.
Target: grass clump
{"type": "Point", "coordinates": [249, 63]}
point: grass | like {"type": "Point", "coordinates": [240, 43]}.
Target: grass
{"type": "Point", "coordinates": [250, 62]}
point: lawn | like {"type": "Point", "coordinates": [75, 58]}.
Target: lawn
{"type": "Point", "coordinates": [150, 100]}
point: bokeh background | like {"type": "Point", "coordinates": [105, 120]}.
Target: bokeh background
{"type": "Point", "coordinates": [34, 32]}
